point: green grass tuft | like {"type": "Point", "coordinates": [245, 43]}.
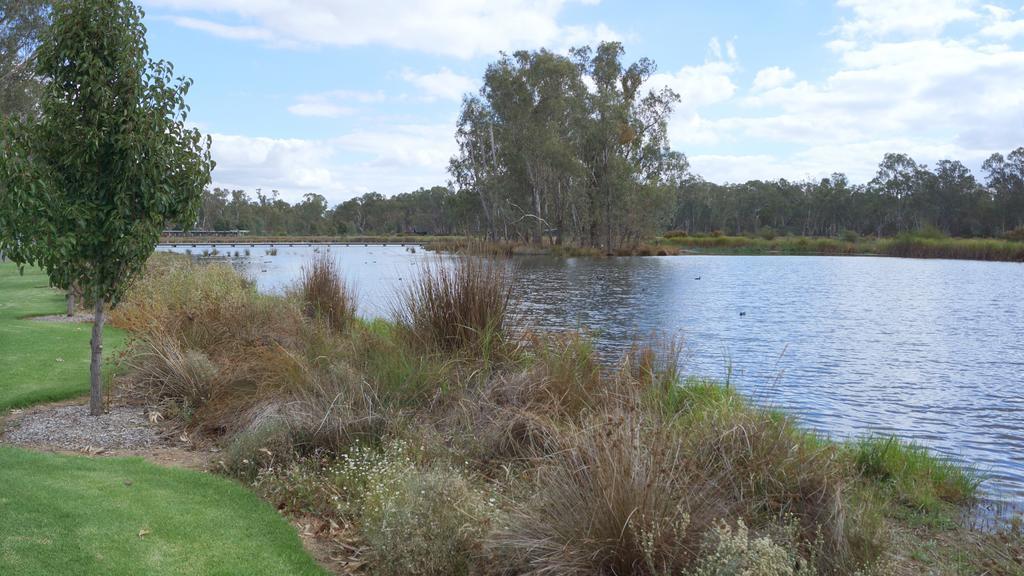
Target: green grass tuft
{"type": "Point", "coordinates": [916, 478]}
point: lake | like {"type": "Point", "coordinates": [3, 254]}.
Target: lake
{"type": "Point", "coordinates": [929, 350]}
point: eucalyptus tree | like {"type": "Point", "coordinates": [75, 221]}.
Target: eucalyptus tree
{"type": "Point", "coordinates": [1005, 178]}
{"type": "Point", "coordinates": [21, 24]}
{"type": "Point", "coordinates": [544, 152]}
{"type": "Point", "coordinates": [89, 185]}
{"type": "Point", "coordinates": [896, 180]}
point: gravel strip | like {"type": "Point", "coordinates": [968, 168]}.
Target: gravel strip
{"type": "Point", "coordinates": [70, 427]}
{"type": "Point", "coordinates": [64, 318]}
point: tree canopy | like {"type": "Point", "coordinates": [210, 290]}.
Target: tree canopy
{"type": "Point", "coordinates": [568, 146]}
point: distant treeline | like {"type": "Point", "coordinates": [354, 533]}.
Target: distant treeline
{"type": "Point", "coordinates": [573, 149]}
{"type": "Point", "coordinates": [904, 196]}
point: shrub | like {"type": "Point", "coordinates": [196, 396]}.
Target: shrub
{"type": "Point", "coordinates": [564, 379]}
{"type": "Point", "coordinates": [176, 381]}
{"type": "Point", "coordinates": [459, 305]}
{"type": "Point", "coordinates": [1016, 235]}
{"type": "Point", "coordinates": [766, 233]}
{"type": "Point", "coordinates": [423, 522]}
{"type": "Point", "coordinates": [735, 553]}
{"type": "Point", "coordinates": [622, 499]}
{"type": "Point", "coordinates": [324, 295]}
{"type": "Point", "coordinates": [776, 472]}
{"type": "Point", "coordinates": [252, 451]}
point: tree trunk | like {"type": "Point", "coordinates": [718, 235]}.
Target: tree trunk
{"type": "Point", "coordinates": [95, 379]}
{"type": "Point", "coordinates": [71, 301]}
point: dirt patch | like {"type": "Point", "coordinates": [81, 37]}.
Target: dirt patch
{"type": "Point", "coordinates": [70, 427]}
{"type": "Point", "coordinates": [67, 428]}
{"type": "Point", "coordinates": [334, 547]}
{"type": "Point", "coordinates": [79, 317]}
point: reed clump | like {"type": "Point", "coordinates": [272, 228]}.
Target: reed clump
{"type": "Point", "coordinates": [324, 294]}
{"type": "Point", "coordinates": [460, 306]}
{"type": "Point", "coordinates": [448, 441]}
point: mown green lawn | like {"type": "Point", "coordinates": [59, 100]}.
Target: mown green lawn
{"type": "Point", "coordinates": [42, 361]}
{"type": "Point", "coordinates": [84, 516]}
{"type": "Point", "coordinates": [79, 515]}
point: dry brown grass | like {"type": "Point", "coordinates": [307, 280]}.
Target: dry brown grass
{"type": "Point", "coordinates": [324, 294]}
{"type": "Point", "coordinates": [780, 474]}
{"type": "Point", "coordinates": [458, 306]}
{"type": "Point", "coordinates": [623, 498]}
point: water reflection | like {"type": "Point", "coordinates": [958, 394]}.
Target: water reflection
{"type": "Point", "coordinates": [931, 350]}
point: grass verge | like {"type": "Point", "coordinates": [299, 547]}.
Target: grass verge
{"type": "Point", "coordinates": [43, 361]}
{"type": "Point", "coordinates": [107, 516]}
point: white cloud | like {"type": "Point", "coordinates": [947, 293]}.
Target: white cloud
{"type": "Point", "coordinates": [1001, 24]}
{"type": "Point", "coordinates": [931, 95]}
{"type": "Point", "coordinates": [858, 160]}
{"type": "Point", "coordinates": [462, 28]}
{"type": "Point", "coordinates": [443, 84]}
{"type": "Point", "coordinates": [291, 165]}
{"type": "Point", "coordinates": [419, 146]}
{"type": "Point", "coordinates": [223, 30]}
{"type": "Point", "coordinates": [916, 18]}
{"type": "Point", "coordinates": [698, 87]}
{"type": "Point", "coordinates": [332, 104]}
{"type": "Point", "coordinates": [388, 160]}
{"type": "Point", "coordinates": [772, 77]}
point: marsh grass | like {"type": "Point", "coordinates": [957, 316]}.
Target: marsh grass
{"type": "Point", "coordinates": [461, 306]}
{"type": "Point", "coordinates": [909, 245]}
{"type": "Point", "coordinates": [621, 499]}
{"type": "Point", "coordinates": [324, 294]}
{"type": "Point", "coordinates": [917, 478]}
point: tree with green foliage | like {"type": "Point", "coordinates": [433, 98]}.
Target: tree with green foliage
{"type": "Point", "coordinates": [86, 188]}
{"type": "Point", "coordinates": [548, 155]}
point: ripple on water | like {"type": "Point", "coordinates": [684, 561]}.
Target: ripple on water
{"type": "Point", "coordinates": [929, 350]}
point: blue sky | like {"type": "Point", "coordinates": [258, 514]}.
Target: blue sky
{"type": "Point", "coordinates": [341, 97]}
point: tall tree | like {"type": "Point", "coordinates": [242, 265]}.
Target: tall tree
{"type": "Point", "coordinates": [545, 154]}
{"type": "Point", "coordinates": [88, 186]}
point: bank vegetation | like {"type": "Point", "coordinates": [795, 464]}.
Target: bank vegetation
{"type": "Point", "coordinates": [448, 440]}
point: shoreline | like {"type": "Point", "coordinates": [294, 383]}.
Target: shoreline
{"type": "Point", "coordinates": [907, 246]}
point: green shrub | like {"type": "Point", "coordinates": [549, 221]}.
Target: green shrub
{"type": "Point", "coordinates": [251, 451]}
{"type": "Point", "coordinates": [916, 478]}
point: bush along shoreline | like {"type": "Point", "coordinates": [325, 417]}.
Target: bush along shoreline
{"type": "Point", "coordinates": [443, 441]}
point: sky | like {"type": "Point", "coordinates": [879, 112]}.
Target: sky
{"type": "Point", "coordinates": [344, 97]}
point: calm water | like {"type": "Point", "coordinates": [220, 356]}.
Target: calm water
{"type": "Point", "coordinates": [931, 350]}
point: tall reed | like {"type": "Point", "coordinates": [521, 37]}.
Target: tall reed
{"type": "Point", "coordinates": [325, 295]}
{"type": "Point", "coordinates": [458, 305]}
